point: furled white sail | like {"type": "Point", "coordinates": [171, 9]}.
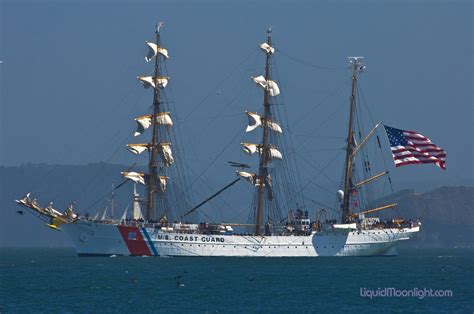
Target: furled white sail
{"type": "Point", "coordinates": [267, 48]}
{"type": "Point", "coordinates": [247, 176]}
{"type": "Point", "coordinates": [249, 148]}
{"type": "Point", "coordinates": [270, 86]}
{"type": "Point", "coordinates": [166, 154]}
{"type": "Point", "coordinates": [137, 149]}
{"type": "Point", "coordinates": [143, 123]}
{"type": "Point", "coordinates": [256, 121]}
{"type": "Point", "coordinates": [162, 81]}
{"type": "Point", "coordinates": [163, 52]}
{"type": "Point", "coordinates": [163, 181]}
{"type": "Point", "coordinates": [275, 153]}
{"type": "Point", "coordinates": [137, 177]}
{"type": "Point", "coordinates": [152, 51]}
{"type": "Point", "coordinates": [164, 118]}
{"type": "Point", "coordinates": [148, 81]}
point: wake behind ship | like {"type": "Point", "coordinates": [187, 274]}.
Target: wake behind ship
{"type": "Point", "coordinates": [278, 226]}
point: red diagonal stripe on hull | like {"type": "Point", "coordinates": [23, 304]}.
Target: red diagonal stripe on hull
{"type": "Point", "coordinates": [133, 238]}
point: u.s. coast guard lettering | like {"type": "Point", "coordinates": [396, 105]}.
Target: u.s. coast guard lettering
{"type": "Point", "coordinates": [190, 238]}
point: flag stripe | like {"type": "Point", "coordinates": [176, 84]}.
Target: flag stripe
{"type": "Point", "coordinates": [411, 147]}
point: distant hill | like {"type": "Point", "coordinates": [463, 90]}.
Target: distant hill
{"type": "Point", "coordinates": [447, 213]}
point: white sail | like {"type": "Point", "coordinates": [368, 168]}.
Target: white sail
{"type": "Point", "coordinates": [273, 88]}
{"type": "Point", "coordinates": [164, 118]}
{"type": "Point", "coordinates": [137, 212]}
{"type": "Point", "coordinates": [163, 52]}
{"type": "Point", "coordinates": [137, 149]}
{"type": "Point", "coordinates": [275, 153]}
{"type": "Point", "coordinates": [247, 176]}
{"type": "Point", "coordinates": [143, 123]}
{"type": "Point", "coordinates": [166, 154]}
{"type": "Point", "coordinates": [162, 81]}
{"type": "Point", "coordinates": [163, 180]}
{"type": "Point", "coordinates": [256, 121]}
{"type": "Point", "coordinates": [152, 51]}
{"type": "Point", "coordinates": [267, 48]}
{"type": "Point", "coordinates": [274, 126]}
{"type": "Point", "coordinates": [148, 81]}
{"type": "Point", "coordinates": [137, 177]}
{"type": "Point", "coordinates": [270, 86]}
{"type": "Point", "coordinates": [249, 148]}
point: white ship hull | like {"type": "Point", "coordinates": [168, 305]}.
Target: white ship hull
{"type": "Point", "coordinates": [90, 238]}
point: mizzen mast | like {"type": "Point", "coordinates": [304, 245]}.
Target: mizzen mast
{"type": "Point", "coordinates": [356, 65]}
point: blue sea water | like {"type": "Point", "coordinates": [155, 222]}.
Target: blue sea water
{"type": "Point", "coordinates": [58, 281]}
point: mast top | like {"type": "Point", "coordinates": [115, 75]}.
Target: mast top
{"type": "Point", "coordinates": [159, 26]}
{"type": "Point", "coordinates": [356, 64]}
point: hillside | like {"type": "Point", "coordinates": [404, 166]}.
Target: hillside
{"type": "Point", "coordinates": [447, 215]}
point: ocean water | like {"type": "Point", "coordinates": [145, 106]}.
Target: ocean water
{"type": "Point", "coordinates": [57, 281]}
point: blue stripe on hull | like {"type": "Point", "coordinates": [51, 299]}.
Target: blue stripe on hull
{"type": "Point", "coordinates": [150, 243]}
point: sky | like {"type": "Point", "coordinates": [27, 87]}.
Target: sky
{"type": "Point", "coordinates": [69, 90]}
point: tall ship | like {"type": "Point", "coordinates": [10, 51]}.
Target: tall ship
{"type": "Point", "coordinates": [277, 226]}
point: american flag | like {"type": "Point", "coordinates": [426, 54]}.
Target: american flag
{"type": "Point", "coordinates": [410, 147]}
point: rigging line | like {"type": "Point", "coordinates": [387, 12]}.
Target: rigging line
{"type": "Point", "coordinates": [315, 168]}
{"type": "Point", "coordinates": [211, 197]}
{"type": "Point", "coordinates": [105, 164]}
{"type": "Point", "coordinates": [208, 166]}
{"type": "Point", "coordinates": [74, 148]}
{"type": "Point", "coordinates": [317, 175]}
{"type": "Point", "coordinates": [227, 105]}
{"type": "Point", "coordinates": [205, 183]}
{"type": "Point", "coordinates": [219, 84]}
{"type": "Point", "coordinates": [360, 92]}
{"type": "Point", "coordinates": [309, 199]}
{"type": "Point", "coordinates": [336, 90]}
{"type": "Point", "coordinates": [301, 61]}
{"type": "Point", "coordinates": [329, 118]}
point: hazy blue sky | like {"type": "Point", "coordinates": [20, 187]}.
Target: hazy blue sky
{"type": "Point", "coordinates": [69, 89]}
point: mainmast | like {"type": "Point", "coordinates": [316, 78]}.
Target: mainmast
{"type": "Point", "coordinates": [268, 151]}
{"type": "Point", "coordinates": [262, 167]}
{"type": "Point", "coordinates": [153, 149]}
{"type": "Point", "coordinates": [357, 66]}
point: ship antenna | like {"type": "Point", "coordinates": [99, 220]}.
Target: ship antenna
{"type": "Point", "coordinates": [356, 65]}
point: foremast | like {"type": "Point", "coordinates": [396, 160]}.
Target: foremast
{"type": "Point", "coordinates": [159, 147]}
{"type": "Point", "coordinates": [268, 151]}
{"type": "Point", "coordinates": [356, 66]}
{"type": "Point", "coordinates": [262, 166]}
